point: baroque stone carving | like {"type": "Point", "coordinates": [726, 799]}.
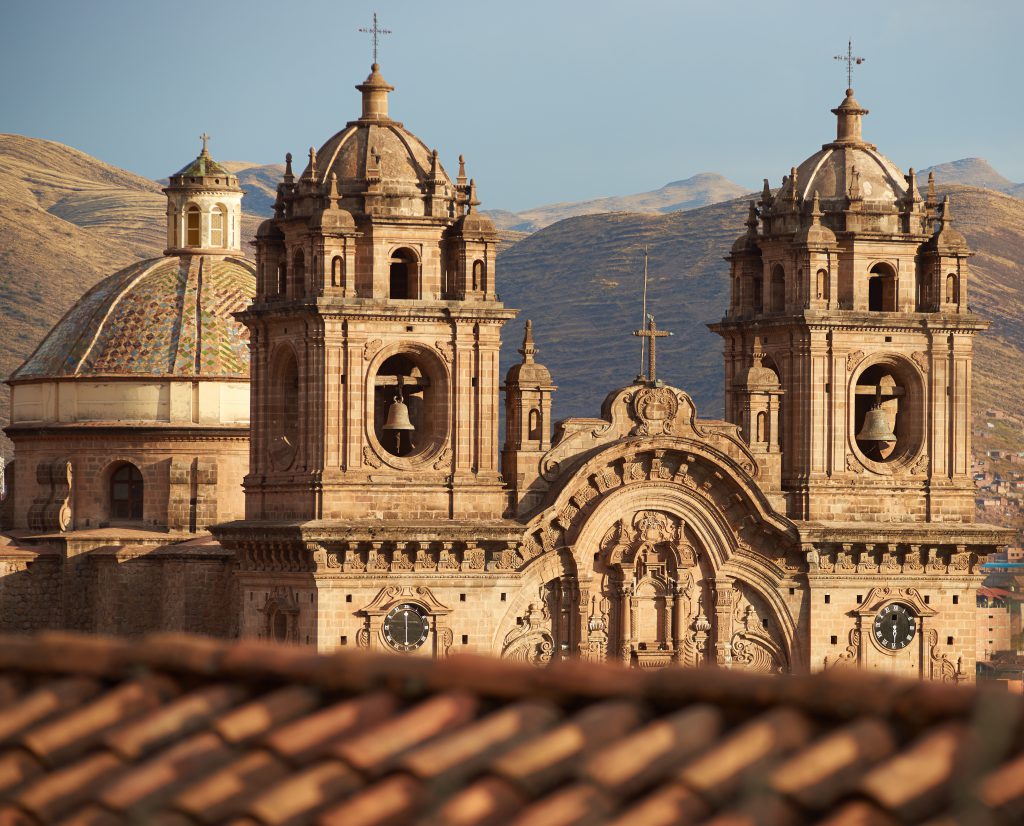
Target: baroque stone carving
{"type": "Point", "coordinates": [371, 347]}
{"type": "Point", "coordinates": [444, 460]}
{"type": "Point", "coordinates": [853, 359]}
{"type": "Point", "coordinates": [850, 656]}
{"type": "Point", "coordinates": [921, 360]}
{"type": "Point", "coordinates": [370, 458]}
{"type": "Point", "coordinates": [942, 668]}
{"type": "Point", "coordinates": [531, 642]}
{"type": "Point", "coordinates": [655, 407]}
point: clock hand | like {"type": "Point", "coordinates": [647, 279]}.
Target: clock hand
{"type": "Point", "coordinates": [407, 628]}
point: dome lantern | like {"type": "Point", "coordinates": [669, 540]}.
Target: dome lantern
{"type": "Point", "coordinates": [204, 208]}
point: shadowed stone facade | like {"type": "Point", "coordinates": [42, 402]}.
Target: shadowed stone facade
{"type": "Point", "coordinates": [831, 510]}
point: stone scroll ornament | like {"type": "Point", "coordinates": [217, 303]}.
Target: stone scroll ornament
{"type": "Point", "coordinates": [532, 641]}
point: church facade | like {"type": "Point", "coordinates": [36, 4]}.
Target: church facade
{"type": "Point", "coordinates": [826, 521]}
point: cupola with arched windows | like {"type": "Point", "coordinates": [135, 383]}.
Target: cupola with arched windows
{"type": "Point", "coordinates": [204, 209]}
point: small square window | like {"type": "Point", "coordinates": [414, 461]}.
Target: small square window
{"type": "Point", "coordinates": [956, 599]}
{"type": "Point", "coordinates": [792, 591]}
{"type": "Point", "coordinates": [949, 640]}
{"type": "Point", "coordinates": [462, 597]}
{"type": "Point", "coordinates": [927, 599]}
{"type": "Point", "coordinates": [348, 597]}
{"type": "Point", "coordinates": [860, 598]}
{"type": "Point", "coordinates": [835, 639]}
{"type": "Point", "coordinates": [504, 597]}
{"type": "Point", "coordinates": [344, 640]}
{"type": "Point", "coordinates": [828, 598]}
{"type": "Point", "coordinates": [465, 639]}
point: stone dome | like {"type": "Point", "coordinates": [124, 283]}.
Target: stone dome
{"type": "Point", "coordinates": [848, 168]}
{"type": "Point", "coordinates": [376, 153]}
{"type": "Point", "coordinates": [166, 317]}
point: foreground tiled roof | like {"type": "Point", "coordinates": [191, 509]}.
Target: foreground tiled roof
{"type": "Point", "coordinates": [175, 730]}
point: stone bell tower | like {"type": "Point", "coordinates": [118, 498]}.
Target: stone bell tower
{"type": "Point", "coordinates": [850, 288]}
{"type": "Point", "coordinates": [375, 336]}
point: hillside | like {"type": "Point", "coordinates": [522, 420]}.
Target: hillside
{"type": "Point", "coordinates": [66, 220]}
{"type": "Point", "coordinates": [973, 172]}
{"type": "Point", "coordinates": [700, 190]}
{"type": "Point", "coordinates": [580, 282]}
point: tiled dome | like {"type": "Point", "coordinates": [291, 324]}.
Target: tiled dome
{"type": "Point", "coordinates": [168, 317]}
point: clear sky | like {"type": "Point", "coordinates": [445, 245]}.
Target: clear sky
{"type": "Point", "coordinates": [549, 99]}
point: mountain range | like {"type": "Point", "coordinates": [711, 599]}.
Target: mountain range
{"type": "Point", "coordinates": [67, 219]}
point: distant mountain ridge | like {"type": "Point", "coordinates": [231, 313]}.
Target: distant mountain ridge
{"type": "Point", "coordinates": [696, 191]}
{"type": "Point", "coordinates": [972, 172]}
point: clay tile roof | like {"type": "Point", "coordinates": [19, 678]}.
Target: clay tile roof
{"type": "Point", "coordinates": [182, 730]}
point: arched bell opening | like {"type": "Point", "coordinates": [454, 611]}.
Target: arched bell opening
{"type": "Point", "coordinates": [887, 425]}
{"type": "Point", "coordinates": [758, 294]}
{"type": "Point", "coordinates": [193, 222]}
{"type": "Point", "coordinates": [882, 289]}
{"type": "Point", "coordinates": [409, 405]}
{"type": "Point", "coordinates": [403, 275]}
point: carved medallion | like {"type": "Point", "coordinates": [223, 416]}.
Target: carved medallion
{"type": "Point", "coordinates": [655, 407]}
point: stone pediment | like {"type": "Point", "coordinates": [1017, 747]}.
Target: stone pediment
{"type": "Point", "coordinates": [642, 410]}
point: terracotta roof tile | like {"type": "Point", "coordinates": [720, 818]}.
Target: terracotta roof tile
{"type": "Point", "coordinates": [751, 749]}
{"type": "Point", "coordinates": [544, 761]}
{"type": "Point", "coordinates": [173, 730]}
{"type": "Point", "coordinates": [308, 737]}
{"type": "Point", "coordinates": [832, 766]}
{"type": "Point", "coordinates": [228, 790]}
{"type": "Point", "coordinates": [71, 734]}
{"type": "Point", "coordinates": [304, 794]}
{"type": "Point", "coordinates": [394, 800]}
{"type": "Point", "coordinates": [35, 707]}
{"type": "Point", "coordinates": [490, 800]}
{"type": "Point", "coordinates": [644, 757]}
{"type": "Point", "coordinates": [916, 782]}
{"type": "Point", "coordinates": [376, 750]}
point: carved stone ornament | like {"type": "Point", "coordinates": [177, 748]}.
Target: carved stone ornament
{"type": "Point", "coordinates": [921, 465]}
{"type": "Point", "coordinates": [371, 347]}
{"type": "Point", "coordinates": [445, 349]}
{"type": "Point", "coordinates": [942, 668]}
{"type": "Point", "coordinates": [853, 359]}
{"type": "Point", "coordinates": [853, 465]}
{"type": "Point", "coordinates": [444, 460]}
{"type": "Point", "coordinates": [655, 407]}
{"type": "Point", "coordinates": [531, 642]}
{"type": "Point", "coordinates": [921, 360]}
{"type": "Point", "coordinates": [850, 656]}
{"type": "Point", "coordinates": [370, 458]}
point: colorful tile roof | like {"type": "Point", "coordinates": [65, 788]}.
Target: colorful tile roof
{"type": "Point", "coordinates": [174, 729]}
{"type": "Point", "coordinates": [163, 317]}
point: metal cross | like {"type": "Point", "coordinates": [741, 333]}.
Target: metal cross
{"type": "Point", "coordinates": [652, 333]}
{"type": "Point", "coordinates": [376, 32]}
{"type": "Point", "coordinates": [850, 61]}
{"type": "Point", "coordinates": [204, 138]}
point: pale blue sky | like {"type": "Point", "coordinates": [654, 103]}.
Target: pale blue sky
{"type": "Point", "coordinates": [548, 100]}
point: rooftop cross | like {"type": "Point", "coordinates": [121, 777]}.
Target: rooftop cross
{"type": "Point", "coordinates": [204, 138]}
{"type": "Point", "coordinates": [652, 333]}
{"type": "Point", "coordinates": [850, 60]}
{"type": "Point", "coordinates": [376, 32]}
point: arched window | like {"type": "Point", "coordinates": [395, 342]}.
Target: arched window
{"type": "Point", "coordinates": [282, 278]}
{"type": "Point", "coordinates": [284, 410]}
{"type": "Point", "coordinates": [479, 276]}
{"type": "Point", "coordinates": [534, 432]}
{"type": "Point", "coordinates": [778, 289]}
{"type": "Point", "coordinates": [403, 275]}
{"type": "Point", "coordinates": [217, 217]}
{"type": "Point", "coordinates": [279, 625]}
{"type": "Point", "coordinates": [952, 289]}
{"type": "Point", "coordinates": [762, 427]}
{"type": "Point", "coordinates": [192, 225]}
{"type": "Point", "coordinates": [821, 290]}
{"type": "Point", "coordinates": [337, 271]}
{"type": "Point", "coordinates": [882, 289]}
{"type": "Point", "coordinates": [298, 274]}
{"type": "Point", "coordinates": [126, 492]}
{"type": "Point", "coordinates": [758, 294]}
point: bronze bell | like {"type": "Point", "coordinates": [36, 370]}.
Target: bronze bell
{"type": "Point", "coordinates": [876, 427]}
{"type": "Point", "coordinates": [398, 416]}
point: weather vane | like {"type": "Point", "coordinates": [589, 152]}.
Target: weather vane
{"type": "Point", "coordinates": [376, 32]}
{"type": "Point", "coordinates": [850, 61]}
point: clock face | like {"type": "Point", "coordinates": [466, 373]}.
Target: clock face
{"type": "Point", "coordinates": [895, 626]}
{"type": "Point", "coordinates": [406, 627]}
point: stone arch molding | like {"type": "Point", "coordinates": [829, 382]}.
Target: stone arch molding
{"type": "Point", "coordinates": [664, 526]}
